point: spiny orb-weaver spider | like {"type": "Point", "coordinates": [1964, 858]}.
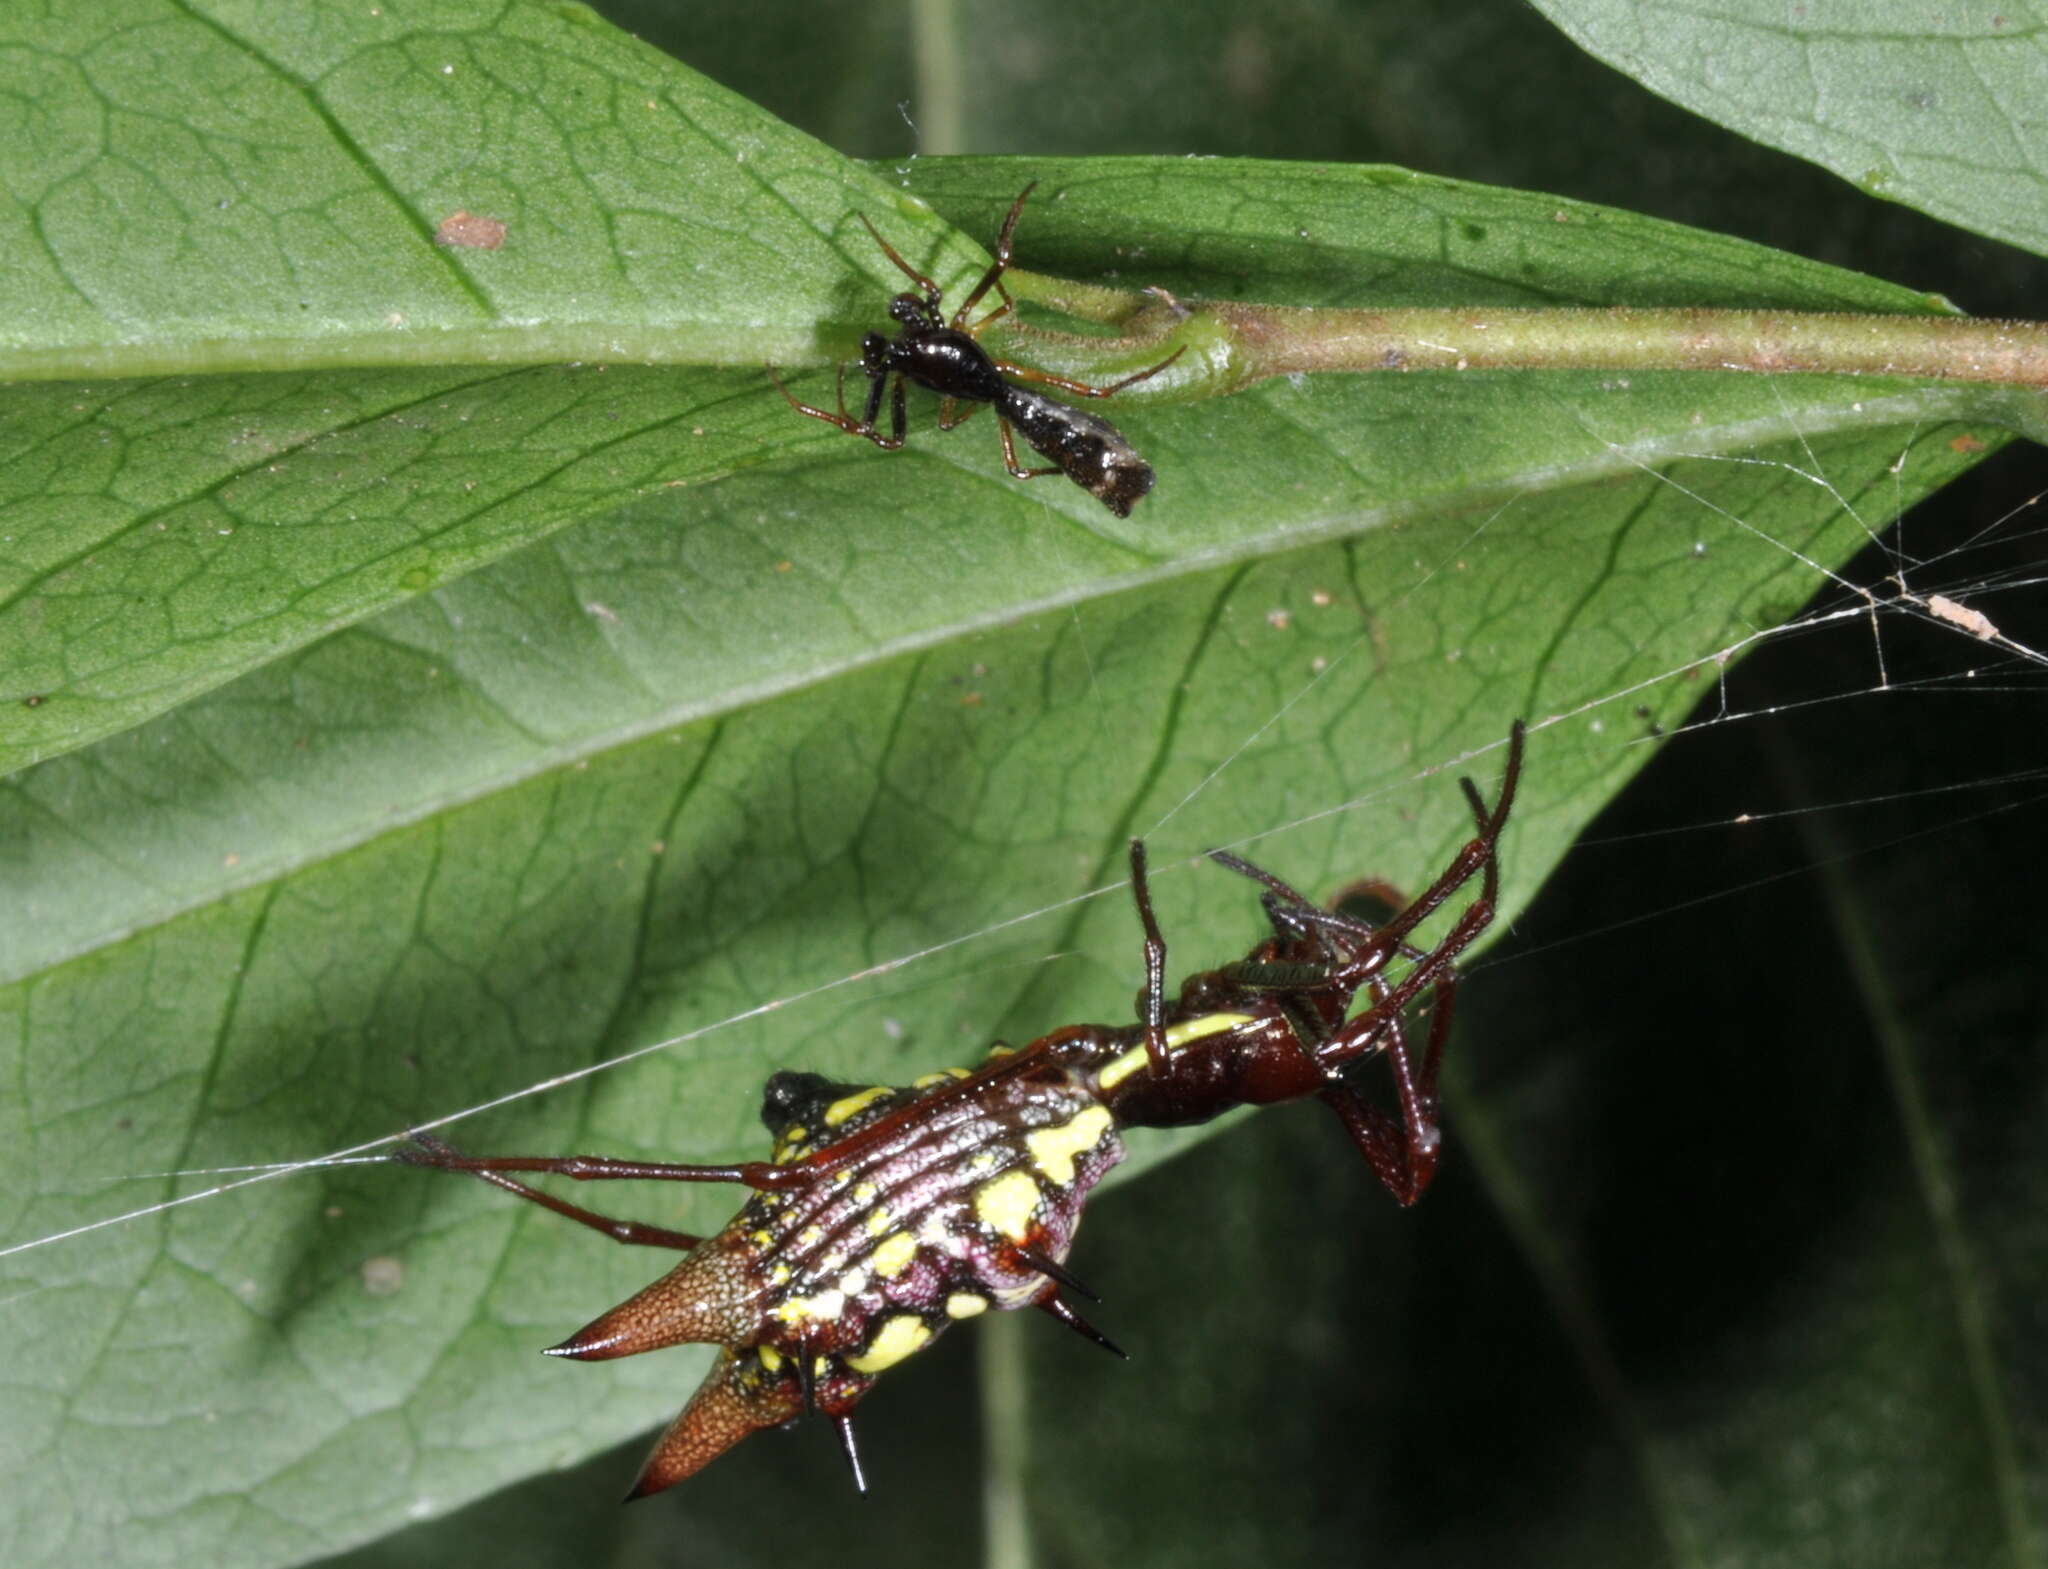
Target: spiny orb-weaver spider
{"type": "Point", "coordinates": [887, 1214]}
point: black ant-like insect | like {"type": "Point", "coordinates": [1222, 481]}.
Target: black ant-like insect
{"type": "Point", "coordinates": [946, 357]}
{"type": "Point", "coordinates": [887, 1214]}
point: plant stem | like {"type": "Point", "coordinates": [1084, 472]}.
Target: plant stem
{"type": "Point", "coordinates": [1233, 345]}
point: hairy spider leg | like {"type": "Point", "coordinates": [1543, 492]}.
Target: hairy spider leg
{"type": "Point", "coordinates": [757, 1174]}
{"type": "Point", "coordinates": [1480, 850]}
{"type": "Point", "coordinates": [1403, 1154]}
{"type": "Point", "coordinates": [1151, 1000]}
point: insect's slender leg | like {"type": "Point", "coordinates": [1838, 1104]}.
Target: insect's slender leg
{"type": "Point", "coordinates": [628, 1231]}
{"type": "Point", "coordinates": [899, 414]}
{"type": "Point", "coordinates": [997, 267]}
{"type": "Point", "coordinates": [1152, 1000]}
{"type": "Point", "coordinates": [929, 289]}
{"type": "Point", "coordinates": [846, 422]}
{"type": "Point", "coordinates": [1048, 1299]}
{"type": "Point", "coordinates": [758, 1174]}
{"type": "Point", "coordinates": [995, 315]}
{"type": "Point", "coordinates": [1082, 389]}
{"type": "Point", "coordinates": [1017, 470]}
{"type": "Point", "coordinates": [874, 403]}
{"type": "Point", "coordinates": [844, 1424]}
{"type": "Point", "coordinates": [950, 417]}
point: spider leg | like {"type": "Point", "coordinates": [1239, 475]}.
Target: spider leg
{"type": "Point", "coordinates": [430, 1151]}
{"type": "Point", "coordinates": [1477, 853]}
{"type": "Point", "coordinates": [1152, 1000]}
{"type": "Point", "coordinates": [995, 315]}
{"type": "Point", "coordinates": [899, 417]}
{"type": "Point", "coordinates": [1403, 1154]}
{"type": "Point", "coordinates": [1018, 471]}
{"type": "Point", "coordinates": [925, 285]}
{"type": "Point", "coordinates": [864, 428]}
{"type": "Point", "coordinates": [1082, 389]}
{"type": "Point", "coordinates": [758, 1174]}
{"type": "Point", "coordinates": [992, 278]}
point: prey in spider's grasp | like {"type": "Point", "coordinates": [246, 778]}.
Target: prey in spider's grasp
{"type": "Point", "coordinates": [947, 357]}
{"type": "Point", "coordinates": [885, 1215]}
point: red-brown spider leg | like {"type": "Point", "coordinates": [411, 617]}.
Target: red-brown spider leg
{"type": "Point", "coordinates": [997, 267]}
{"type": "Point", "coordinates": [1048, 1299]}
{"type": "Point", "coordinates": [629, 1231]}
{"type": "Point", "coordinates": [1402, 1155]}
{"type": "Point", "coordinates": [1152, 1000]}
{"type": "Point", "coordinates": [758, 1174]}
{"type": "Point", "coordinates": [1017, 471]}
{"type": "Point", "coordinates": [1478, 852]}
{"type": "Point", "coordinates": [1435, 969]}
{"type": "Point", "coordinates": [1300, 916]}
{"type": "Point", "coordinates": [929, 288]}
{"type": "Point", "coordinates": [1081, 389]}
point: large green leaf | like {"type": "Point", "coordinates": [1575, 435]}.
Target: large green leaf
{"type": "Point", "coordinates": [725, 743]}
{"type": "Point", "coordinates": [1937, 109]}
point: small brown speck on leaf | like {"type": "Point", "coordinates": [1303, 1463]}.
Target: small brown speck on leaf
{"type": "Point", "coordinates": [471, 231]}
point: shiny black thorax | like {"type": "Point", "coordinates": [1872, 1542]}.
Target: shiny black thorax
{"type": "Point", "coordinates": [931, 354]}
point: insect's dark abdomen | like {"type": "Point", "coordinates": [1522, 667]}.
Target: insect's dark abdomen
{"type": "Point", "coordinates": [1089, 450]}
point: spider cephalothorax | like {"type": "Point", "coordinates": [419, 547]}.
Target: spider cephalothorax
{"type": "Point", "coordinates": [887, 1214]}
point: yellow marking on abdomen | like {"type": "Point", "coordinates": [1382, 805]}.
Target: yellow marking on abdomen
{"type": "Point", "coordinates": [1177, 1036]}
{"type": "Point", "coordinates": [1006, 1204]}
{"type": "Point", "coordinates": [899, 1337]}
{"type": "Point", "coordinates": [895, 1255]}
{"type": "Point", "coordinates": [825, 1306]}
{"type": "Point", "coordinates": [1053, 1149]}
{"type": "Point", "coordinates": [932, 1081]}
{"type": "Point", "coordinates": [771, 1359]}
{"type": "Point", "coordinates": [965, 1304]}
{"type": "Point", "coordinates": [851, 1105]}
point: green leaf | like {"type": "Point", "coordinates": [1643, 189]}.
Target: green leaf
{"type": "Point", "coordinates": [1936, 110]}
{"type": "Point", "coordinates": [555, 796]}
